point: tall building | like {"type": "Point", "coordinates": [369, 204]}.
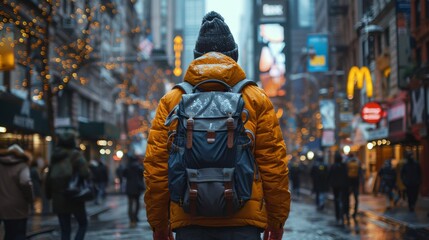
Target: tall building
{"type": "Point", "coordinates": [193, 12]}
{"type": "Point", "coordinates": [23, 70]}
{"type": "Point", "coordinates": [246, 35]}
{"type": "Point", "coordinates": [417, 90]}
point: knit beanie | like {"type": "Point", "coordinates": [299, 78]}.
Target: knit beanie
{"type": "Point", "coordinates": [215, 36]}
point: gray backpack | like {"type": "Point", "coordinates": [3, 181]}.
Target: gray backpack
{"type": "Point", "coordinates": [211, 167]}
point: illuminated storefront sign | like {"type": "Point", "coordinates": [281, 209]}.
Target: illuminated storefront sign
{"type": "Point", "coordinates": [357, 76]}
{"type": "Point", "coordinates": [273, 11]}
{"type": "Point", "coordinates": [372, 112]}
{"type": "Point", "coordinates": [7, 57]}
{"type": "Point", "coordinates": [178, 48]}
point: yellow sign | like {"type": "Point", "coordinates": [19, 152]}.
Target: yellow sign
{"type": "Point", "coordinates": [178, 48]}
{"type": "Point", "coordinates": [357, 77]}
{"type": "Point", "coordinates": [7, 57]}
{"type": "Point", "coordinates": [318, 60]}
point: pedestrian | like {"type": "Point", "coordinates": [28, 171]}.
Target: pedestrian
{"type": "Point", "coordinates": [400, 186]}
{"type": "Point", "coordinates": [295, 171]}
{"type": "Point", "coordinates": [103, 179]}
{"type": "Point", "coordinates": [16, 192]}
{"type": "Point", "coordinates": [387, 175]}
{"type": "Point", "coordinates": [100, 178]}
{"type": "Point", "coordinates": [338, 181]}
{"type": "Point", "coordinates": [120, 176]}
{"type": "Point", "coordinates": [133, 173]}
{"type": "Point", "coordinates": [37, 187]}
{"type": "Point", "coordinates": [67, 161]}
{"type": "Point", "coordinates": [411, 176]}
{"type": "Point", "coordinates": [319, 174]}
{"type": "Point", "coordinates": [267, 209]}
{"type": "Point", "coordinates": [95, 179]}
{"type": "Point", "coordinates": [354, 179]}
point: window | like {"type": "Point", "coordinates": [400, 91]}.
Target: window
{"type": "Point", "coordinates": [427, 9]}
{"type": "Point", "coordinates": [418, 12]}
{"type": "Point", "coordinates": [427, 52]}
{"type": "Point", "coordinates": [386, 37]}
{"type": "Point", "coordinates": [67, 7]}
{"type": "Point", "coordinates": [419, 57]}
{"type": "Point", "coordinates": [64, 104]}
{"type": "Point", "coordinates": [305, 13]}
{"type": "Point", "coordinates": [84, 108]}
{"type": "Point", "coordinates": [379, 45]}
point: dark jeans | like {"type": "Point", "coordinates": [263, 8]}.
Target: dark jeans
{"type": "Point", "coordinates": [412, 194]}
{"type": "Point", "coordinates": [15, 229]}
{"type": "Point", "coordinates": [65, 225]}
{"type": "Point", "coordinates": [218, 233]}
{"type": "Point", "coordinates": [341, 202]}
{"type": "Point", "coordinates": [133, 207]}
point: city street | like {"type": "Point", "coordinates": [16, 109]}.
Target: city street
{"type": "Point", "coordinates": [117, 96]}
{"type": "Point", "coordinates": [304, 223]}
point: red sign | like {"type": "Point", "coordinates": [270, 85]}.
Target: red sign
{"type": "Point", "coordinates": [372, 112]}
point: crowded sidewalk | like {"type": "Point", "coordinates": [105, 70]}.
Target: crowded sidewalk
{"type": "Point", "coordinates": [39, 224]}
{"type": "Point", "coordinates": [376, 206]}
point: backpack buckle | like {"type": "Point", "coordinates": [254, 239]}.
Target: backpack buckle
{"type": "Point", "coordinates": [193, 196]}
{"type": "Point", "coordinates": [211, 136]}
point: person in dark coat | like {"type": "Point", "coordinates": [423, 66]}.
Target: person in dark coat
{"type": "Point", "coordinates": [295, 171]}
{"type": "Point", "coordinates": [16, 193]}
{"type": "Point", "coordinates": [133, 173]}
{"type": "Point", "coordinates": [411, 176]}
{"type": "Point", "coordinates": [355, 179]}
{"type": "Point", "coordinates": [67, 161]}
{"type": "Point", "coordinates": [37, 186]}
{"type": "Point", "coordinates": [387, 176]}
{"type": "Point", "coordinates": [319, 174]}
{"type": "Point", "coordinates": [338, 181]}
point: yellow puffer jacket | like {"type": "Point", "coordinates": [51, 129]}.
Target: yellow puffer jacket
{"type": "Point", "coordinates": [270, 201]}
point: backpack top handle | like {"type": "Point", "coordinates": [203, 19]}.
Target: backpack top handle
{"type": "Point", "coordinates": [227, 87]}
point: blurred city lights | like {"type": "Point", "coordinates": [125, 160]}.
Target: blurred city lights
{"type": "Point", "coordinates": [346, 149]}
{"type": "Point", "coordinates": [310, 155]}
{"type": "Point", "coordinates": [119, 154]}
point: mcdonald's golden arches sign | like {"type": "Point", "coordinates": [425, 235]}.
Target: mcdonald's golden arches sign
{"type": "Point", "coordinates": [357, 76]}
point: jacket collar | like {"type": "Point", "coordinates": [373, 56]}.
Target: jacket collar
{"type": "Point", "coordinates": [214, 65]}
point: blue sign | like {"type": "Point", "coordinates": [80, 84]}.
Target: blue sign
{"type": "Point", "coordinates": [318, 49]}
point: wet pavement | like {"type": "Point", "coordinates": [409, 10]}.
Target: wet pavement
{"type": "Point", "coordinates": [304, 223]}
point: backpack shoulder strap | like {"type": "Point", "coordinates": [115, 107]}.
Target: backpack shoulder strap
{"type": "Point", "coordinates": [184, 86]}
{"type": "Point", "coordinates": [237, 88]}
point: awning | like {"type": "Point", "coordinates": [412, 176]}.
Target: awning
{"type": "Point", "coordinates": [98, 130]}
{"type": "Point", "coordinates": [22, 116]}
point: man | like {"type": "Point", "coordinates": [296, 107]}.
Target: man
{"type": "Point", "coordinates": [216, 56]}
{"type": "Point", "coordinates": [354, 173]}
{"type": "Point", "coordinates": [319, 174]}
{"type": "Point", "coordinates": [387, 177]}
{"type": "Point", "coordinates": [295, 171]}
{"type": "Point", "coordinates": [67, 161]}
{"type": "Point", "coordinates": [411, 176]}
{"type": "Point", "coordinates": [16, 191]}
{"type": "Point", "coordinates": [338, 181]}
{"type": "Point", "coordinates": [133, 173]}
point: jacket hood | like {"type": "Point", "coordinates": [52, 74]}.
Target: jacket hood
{"type": "Point", "coordinates": [214, 65]}
{"type": "Point", "coordinates": [12, 157]}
